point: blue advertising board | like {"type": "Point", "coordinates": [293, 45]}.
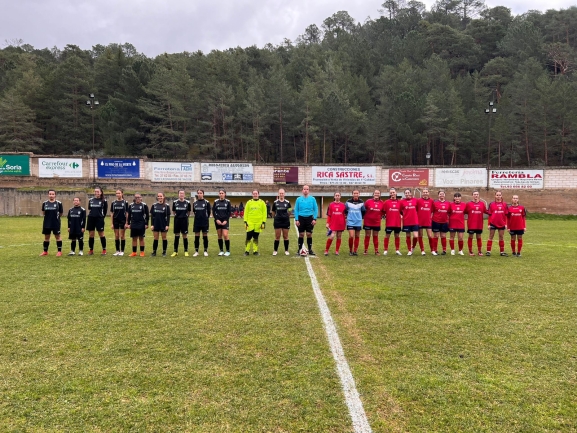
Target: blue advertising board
{"type": "Point", "coordinates": [118, 168]}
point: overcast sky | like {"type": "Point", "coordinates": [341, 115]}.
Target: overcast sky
{"type": "Point", "coordinates": [173, 26]}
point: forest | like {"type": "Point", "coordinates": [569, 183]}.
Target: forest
{"type": "Point", "coordinates": [459, 84]}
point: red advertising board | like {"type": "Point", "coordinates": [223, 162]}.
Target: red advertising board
{"type": "Point", "coordinates": [399, 177]}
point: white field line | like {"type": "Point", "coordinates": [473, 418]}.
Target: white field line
{"type": "Point", "coordinates": [352, 398]}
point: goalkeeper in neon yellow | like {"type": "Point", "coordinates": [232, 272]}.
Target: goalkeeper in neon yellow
{"type": "Point", "coordinates": [254, 221]}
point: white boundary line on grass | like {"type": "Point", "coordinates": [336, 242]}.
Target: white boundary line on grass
{"type": "Point", "coordinates": [352, 397]}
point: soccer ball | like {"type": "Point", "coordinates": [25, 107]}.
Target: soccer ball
{"type": "Point", "coordinates": [304, 252]}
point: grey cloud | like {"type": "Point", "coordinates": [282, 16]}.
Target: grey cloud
{"type": "Point", "coordinates": [155, 26]}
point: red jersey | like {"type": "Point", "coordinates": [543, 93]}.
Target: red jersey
{"type": "Point", "coordinates": [441, 211]}
{"type": "Point", "coordinates": [424, 209]}
{"type": "Point", "coordinates": [409, 212]}
{"type": "Point", "coordinates": [392, 210]}
{"type": "Point", "coordinates": [336, 216]}
{"type": "Point", "coordinates": [475, 212]}
{"type": "Point", "coordinates": [374, 212]}
{"type": "Point", "coordinates": [457, 215]}
{"type": "Point", "coordinates": [516, 217]}
{"type": "Point", "coordinates": [498, 214]}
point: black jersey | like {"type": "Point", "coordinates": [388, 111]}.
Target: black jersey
{"type": "Point", "coordinates": [118, 208]}
{"type": "Point", "coordinates": [281, 210]}
{"type": "Point", "coordinates": [76, 219]}
{"type": "Point", "coordinates": [160, 215]}
{"type": "Point", "coordinates": [201, 210]}
{"type": "Point", "coordinates": [138, 215]}
{"type": "Point", "coordinates": [53, 210]}
{"type": "Point", "coordinates": [221, 209]}
{"type": "Point", "coordinates": [97, 207]}
{"type": "Point", "coordinates": [181, 209]}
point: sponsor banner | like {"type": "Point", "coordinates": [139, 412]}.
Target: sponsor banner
{"type": "Point", "coordinates": [286, 175]}
{"type": "Point", "coordinates": [408, 178]}
{"type": "Point", "coordinates": [333, 175]}
{"type": "Point", "coordinates": [14, 165]}
{"type": "Point", "coordinates": [460, 177]}
{"type": "Point", "coordinates": [226, 172]}
{"type": "Point", "coordinates": [118, 168]}
{"type": "Point", "coordinates": [516, 179]}
{"type": "Point", "coordinates": [59, 167]}
{"type": "Point", "coordinates": [172, 171]}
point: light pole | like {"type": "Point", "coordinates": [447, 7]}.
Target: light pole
{"type": "Point", "coordinates": [92, 103]}
{"type": "Point", "coordinates": [428, 156]}
{"type": "Point", "coordinates": [490, 111]}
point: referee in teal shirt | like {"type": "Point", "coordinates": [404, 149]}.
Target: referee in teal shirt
{"type": "Point", "coordinates": [306, 212]}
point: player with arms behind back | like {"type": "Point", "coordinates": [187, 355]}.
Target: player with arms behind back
{"type": "Point", "coordinates": [497, 221]}
{"type": "Point", "coordinates": [281, 208]}
{"type": "Point", "coordinates": [76, 227]}
{"type": "Point", "coordinates": [52, 211]}
{"type": "Point", "coordinates": [118, 209]}
{"type": "Point", "coordinates": [409, 206]}
{"type": "Point", "coordinates": [424, 210]}
{"type": "Point", "coordinates": [221, 211]}
{"type": "Point", "coordinates": [373, 218]}
{"type": "Point", "coordinates": [336, 223]}
{"type": "Point", "coordinates": [516, 224]}
{"type": "Point", "coordinates": [181, 210]}
{"type": "Point", "coordinates": [392, 211]}
{"type": "Point", "coordinates": [475, 210]}
{"type": "Point", "coordinates": [457, 222]}
{"type": "Point", "coordinates": [354, 210]}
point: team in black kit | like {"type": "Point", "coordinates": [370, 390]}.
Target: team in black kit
{"type": "Point", "coordinates": [138, 217]}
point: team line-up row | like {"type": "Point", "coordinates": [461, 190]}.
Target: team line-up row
{"type": "Point", "coordinates": [435, 217]}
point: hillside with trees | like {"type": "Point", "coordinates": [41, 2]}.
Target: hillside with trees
{"type": "Point", "coordinates": [387, 91]}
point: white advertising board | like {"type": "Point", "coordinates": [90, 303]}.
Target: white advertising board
{"type": "Point", "coordinates": [172, 171]}
{"type": "Point", "coordinates": [337, 175]}
{"type": "Point", "coordinates": [226, 172]}
{"type": "Point", "coordinates": [460, 177]}
{"type": "Point", "coordinates": [59, 167]}
{"type": "Point", "coordinates": [516, 179]}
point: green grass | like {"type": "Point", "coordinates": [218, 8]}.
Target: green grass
{"type": "Point", "coordinates": [447, 344]}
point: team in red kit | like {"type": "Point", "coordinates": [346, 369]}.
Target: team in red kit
{"type": "Point", "coordinates": [413, 216]}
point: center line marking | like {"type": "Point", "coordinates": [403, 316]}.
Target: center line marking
{"type": "Point", "coordinates": [352, 398]}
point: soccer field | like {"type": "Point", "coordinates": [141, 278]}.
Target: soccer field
{"type": "Point", "coordinates": [237, 344]}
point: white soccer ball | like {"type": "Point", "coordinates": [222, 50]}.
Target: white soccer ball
{"type": "Point", "coordinates": [304, 252]}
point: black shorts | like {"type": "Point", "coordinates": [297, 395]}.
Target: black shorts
{"type": "Point", "coordinates": [389, 230]}
{"type": "Point", "coordinates": [95, 223]}
{"type": "Point", "coordinates": [475, 231]}
{"type": "Point", "coordinates": [162, 230]}
{"type": "Point", "coordinates": [181, 226]}
{"type": "Point", "coordinates": [306, 224]}
{"type": "Point", "coordinates": [222, 227]}
{"type": "Point", "coordinates": [440, 227]}
{"type": "Point", "coordinates": [409, 229]}
{"type": "Point", "coordinates": [281, 224]}
{"type": "Point", "coordinates": [200, 228]}
{"type": "Point", "coordinates": [118, 224]}
{"type": "Point", "coordinates": [75, 236]}
{"type": "Point", "coordinates": [46, 231]}
{"type": "Point", "coordinates": [457, 230]}
{"type": "Point", "coordinates": [137, 233]}
{"type": "Point", "coordinates": [492, 227]}
{"type": "Point", "coordinates": [355, 228]}
{"type": "Point", "coordinates": [424, 227]}
{"type": "Point", "coordinates": [373, 228]}
{"type": "Point", "coordinates": [516, 232]}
